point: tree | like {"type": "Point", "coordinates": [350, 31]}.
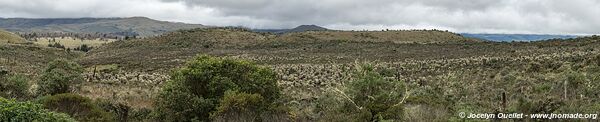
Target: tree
{"type": "Point", "coordinates": [14, 111]}
{"type": "Point", "coordinates": [197, 89]}
{"type": "Point", "coordinates": [59, 76]}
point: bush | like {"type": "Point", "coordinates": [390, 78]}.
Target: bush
{"type": "Point", "coordinates": [14, 86]}
{"type": "Point", "coordinates": [195, 90]}
{"type": "Point", "coordinates": [59, 76]}
{"type": "Point", "coordinates": [79, 107]}
{"type": "Point", "coordinates": [237, 106]}
{"type": "Point", "coordinates": [370, 97]}
{"type": "Point", "coordinates": [13, 111]}
{"type": "Point", "coordinates": [118, 110]}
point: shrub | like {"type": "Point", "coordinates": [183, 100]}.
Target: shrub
{"type": "Point", "coordinates": [195, 90]}
{"type": "Point", "coordinates": [370, 97]}
{"type": "Point", "coordinates": [13, 111]}
{"type": "Point", "coordinates": [236, 106]}
{"type": "Point", "coordinates": [79, 107]}
{"type": "Point", "coordinates": [59, 76]}
{"type": "Point", "coordinates": [140, 115]}
{"type": "Point", "coordinates": [118, 110]}
{"type": "Point", "coordinates": [14, 86]}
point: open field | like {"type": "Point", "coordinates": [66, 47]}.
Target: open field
{"type": "Point", "coordinates": [72, 43]}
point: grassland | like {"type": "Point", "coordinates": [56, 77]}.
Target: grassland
{"type": "Point", "coordinates": [446, 73]}
{"type": "Point", "coordinates": [8, 37]}
{"type": "Point", "coordinates": [72, 43]}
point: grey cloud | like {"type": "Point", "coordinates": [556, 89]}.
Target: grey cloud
{"type": "Point", "coordinates": [484, 16]}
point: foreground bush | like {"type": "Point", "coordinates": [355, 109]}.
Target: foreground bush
{"type": "Point", "coordinates": [370, 97]}
{"type": "Point", "coordinates": [13, 111]}
{"type": "Point", "coordinates": [59, 76]}
{"type": "Point", "coordinates": [197, 89]}
{"type": "Point", "coordinates": [79, 107]}
{"type": "Point", "coordinates": [14, 86]}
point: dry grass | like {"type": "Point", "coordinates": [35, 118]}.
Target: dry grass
{"type": "Point", "coordinates": [69, 42]}
{"type": "Point", "coordinates": [8, 37]}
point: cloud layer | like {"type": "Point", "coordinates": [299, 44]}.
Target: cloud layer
{"type": "Point", "coordinates": [479, 16]}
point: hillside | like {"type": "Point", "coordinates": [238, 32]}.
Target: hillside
{"type": "Point", "coordinates": [442, 71]}
{"type": "Point", "coordinates": [171, 49]}
{"type": "Point", "coordinates": [133, 26]}
{"type": "Point", "coordinates": [405, 36]}
{"type": "Point", "coordinates": [30, 59]}
{"type": "Point", "coordinates": [8, 37]}
{"type": "Point", "coordinates": [308, 63]}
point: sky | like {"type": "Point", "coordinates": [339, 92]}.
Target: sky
{"type": "Point", "coordinates": [473, 16]}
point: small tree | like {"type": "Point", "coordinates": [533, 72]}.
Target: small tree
{"type": "Point", "coordinates": [59, 76]}
{"type": "Point", "coordinates": [197, 89]}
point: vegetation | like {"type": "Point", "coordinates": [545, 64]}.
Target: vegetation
{"type": "Point", "coordinates": [14, 111]}
{"type": "Point", "coordinates": [8, 37]}
{"type": "Point", "coordinates": [72, 43]}
{"type": "Point", "coordinates": [14, 86]}
{"type": "Point", "coordinates": [59, 76]}
{"type": "Point", "coordinates": [207, 84]}
{"type": "Point", "coordinates": [80, 108]}
{"type": "Point", "coordinates": [312, 76]}
{"type": "Point", "coordinates": [371, 97]}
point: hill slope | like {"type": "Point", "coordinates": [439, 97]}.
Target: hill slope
{"type": "Point", "coordinates": [8, 37]}
{"type": "Point", "coordinates": [138, 26]}
{"type": "Point", "coordinates": [170, 50]}
{"type": "Point", "coordinates": [409, 36]}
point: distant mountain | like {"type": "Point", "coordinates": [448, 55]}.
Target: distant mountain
{"type": "Point", "coordinates": [516, 37]}
{"type": "Point", "coordinates": [138, 26]}
{"type": "Point", "coordinates": [301, 28]}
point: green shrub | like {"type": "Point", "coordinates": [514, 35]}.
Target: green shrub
{"type": "Point", "coordinates": [79, 107]}
{"type": "Point", "coordinates": [235, 106]}
{"type": "Point", "coordinates": [13, 111]}
{"type": "Point", "coordinates": [118, 110]}
{"type": "Point", "coordinates": [14, 86]}
{"type": "Point", "coordinates": [59, 76]}
{"type": "Point", "coordinates": [370, 97]}
{"type": "Point", "coordinates": [140, 115]}
{"type": "Point", "coordinates": [195, 90]}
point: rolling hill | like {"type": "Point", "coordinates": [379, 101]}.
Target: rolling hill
{"type": "Point", "coordinates": [170, 50]}
{"type": "Point", "coordinates": [133, 26]}
{"type": "Point", "coordinates": [8, 37]}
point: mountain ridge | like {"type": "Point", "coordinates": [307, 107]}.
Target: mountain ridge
{"type": "Point", "coordinates": [123, 26]}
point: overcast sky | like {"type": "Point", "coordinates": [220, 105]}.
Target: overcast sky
{"type": "Point", "coordinates": [476, 16]}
